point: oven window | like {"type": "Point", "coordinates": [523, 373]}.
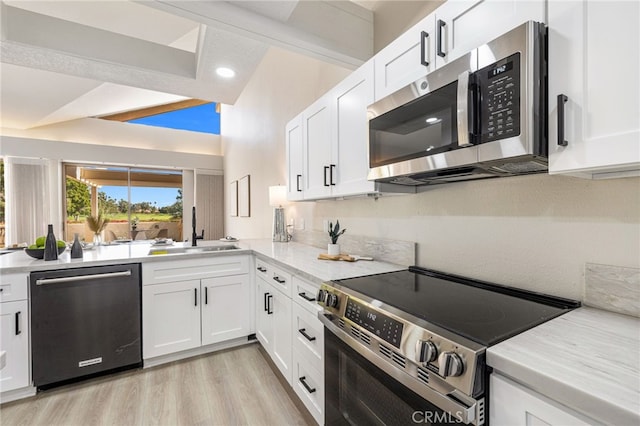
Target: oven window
{"type": "Point", "coordinates": [425, 126]}
{"type": "Point", "coordinates": [358, 393]}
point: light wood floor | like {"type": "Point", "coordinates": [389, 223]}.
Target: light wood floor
{"type": "Point", "coordinates": [232, 387]}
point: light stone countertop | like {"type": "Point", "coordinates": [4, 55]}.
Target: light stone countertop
{"type": "Point", "coordinates": [587, 359]}
{"type": "Point", "coordinates": [301, 258]}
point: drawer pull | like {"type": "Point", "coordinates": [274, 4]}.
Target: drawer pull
{"type": "Point", "coordinates": [279, 280]}
{"type": "Point", "coordinates": [305, 297]}
{"type": "Point", "coordinates": [261, 269]}
{"type": "Point", "coordinates": [303, 331]}
{"type": "Point", "coordinates": [306, 386]}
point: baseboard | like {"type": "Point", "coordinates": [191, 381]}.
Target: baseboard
{"type": "Point", "coordinates": [163, 359]}
{"type": "Point", "coordinates": [17, 394]}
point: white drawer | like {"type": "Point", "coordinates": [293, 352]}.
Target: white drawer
{"type": "Point", "coordinates": [13, 286]}
{"type": "Point", "coordinates": [194, 269]}
{"type": "Point", "coordinates": [308, 384]}
{"type": "Point", "coordinates": [277, 277]}
{"type": "Point", "coordinates": [308, 337]}
{"type": "Point", "coordinates": [304, 294]}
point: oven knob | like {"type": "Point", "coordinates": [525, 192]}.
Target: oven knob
{"type": "Point", "coordinates": [450, 364]}
{"type": "Point", "coordinates": [322, 295]}
{"type": "Point", "coordinates": [332, 300]}
{"type": "Point", "coordinates": [426, 351]}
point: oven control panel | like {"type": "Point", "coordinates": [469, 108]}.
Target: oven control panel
{"type": "Point", "coordinates": [375, 322]}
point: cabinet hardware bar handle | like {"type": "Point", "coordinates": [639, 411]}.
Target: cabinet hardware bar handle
{"type": "Point", "coordinates": [298, 177]}
{"type": "Point", "coordinates": [206, 295]}
{"type": "Point", "coordinates": [269, 298]}
{"type": "Point", "coordinates": [266, 295]}
{"type": "Point", "coordinates": [325, 175]}
{"type": "Point", "coordinates": [303, 331]}
{"type": "Point", "coordinates": [562, 99]}
{"type": "Point", "coordinates": [331, 168]}
{"type": "Point", "coordinates": [82, 277]}
{"type": "Point", "coordinates": [423, 47]}
{"type": "Point", "coordinates": [305, 297]}
{"type": "Point", "coordinates": [441, 25]}
{"type": "Point", "coordinates": [195, 292]}
{"type": "Point", "coordinates": [279, 280]}
{"type": "Point", "coordinates": [306, 386]}
{"type": "Point", "coordinates": [261, 269]}
{"type": "Point", "coordinates": [18, 331]}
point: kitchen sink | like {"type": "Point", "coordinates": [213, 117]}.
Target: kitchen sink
{"type": "Point", "coordinates": [187, 250]}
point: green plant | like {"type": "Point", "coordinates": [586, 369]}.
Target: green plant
{"type": "Point", "coordinates": [97, 223]}
{"type": "Point", "coordinates": [334, 233]}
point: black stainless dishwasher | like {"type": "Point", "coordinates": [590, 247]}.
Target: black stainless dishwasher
{"type": "Point", "coordinates": [85, 321]}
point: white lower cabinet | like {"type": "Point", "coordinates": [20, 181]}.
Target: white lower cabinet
{"type": "Point", "coordinates": [513, 404]}
{"type": "Point", "coordinates": [212, 306]}
{"type": "Point", "coordinates": [288, 328]}
{"type": "Point", "coordinates": [14, 341]}
{"type": "Point", "coordinates": [273, 324]}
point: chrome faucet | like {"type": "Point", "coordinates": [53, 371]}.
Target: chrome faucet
{"type": "Point", "coordinates": [195, 237]}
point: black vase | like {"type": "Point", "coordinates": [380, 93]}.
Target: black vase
{"type": "Point", "coordinates": [51, 245]}
{"type": "Point", "coordinates": [76, 248]}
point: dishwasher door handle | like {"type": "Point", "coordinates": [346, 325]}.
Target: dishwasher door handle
{"type": "Point", "coordinates": [82, 277]}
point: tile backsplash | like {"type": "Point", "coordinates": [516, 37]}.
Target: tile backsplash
{"type": "Point", "coordinates": [613, 288]}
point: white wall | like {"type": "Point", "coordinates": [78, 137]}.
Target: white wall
{"type": "Point", "coordinates": [252, 130]}
{"type": "Point", "coordinates": [533, 232]}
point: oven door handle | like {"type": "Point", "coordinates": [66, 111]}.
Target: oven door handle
{"type": "Point", "coordinates": [463, 412]}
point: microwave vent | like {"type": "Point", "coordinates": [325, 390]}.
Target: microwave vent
{"type": "Point", "coordinates": [520, 167]}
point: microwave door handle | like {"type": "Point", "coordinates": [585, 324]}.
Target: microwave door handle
{"type": "Point", "coordinates": [463, 110]}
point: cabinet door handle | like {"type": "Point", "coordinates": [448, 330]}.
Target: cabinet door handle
{"type": "Point", "coordinates": [298, 177]}
{"type": "Point", "coordinates": [439, 37]}
{"type": "Point", "coordinates": [279, 280]}
{"type": "Point", "coordinates": [326, 168]}
{"type": "Point", "coordinates": [303, 331]}
{"type": "Point", "coordinates": [562, 99]}
{"type": "Point", "coordinates": [206, 295]}
{"type": "Point", "coordinates": [18, 314]}
{"type": "Point", "coordinates": [269, 298]}
{"type": "Point", "coordinates": [266, 295]}
{"type": "Point", "coordinates": [195, 296]}
{"type": "Point", "coordinates": [423, 48]}
{"type": "Point", "coordinates": [261, 269]}
{"type": "Point", "coordinates": [305, 297]}
{"type": "Point", "coordinates": [306, 386]}
{"type": "Point", "coordinates": [331, 168]}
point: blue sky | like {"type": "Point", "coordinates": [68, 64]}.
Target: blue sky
{"type": "Point", "coordinates": [162, 196]}
{"type": "Point", "coordinates": [201, 118]}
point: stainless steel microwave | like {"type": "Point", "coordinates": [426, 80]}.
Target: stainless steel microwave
{"type": "Point", "coordinates": [482, 115]}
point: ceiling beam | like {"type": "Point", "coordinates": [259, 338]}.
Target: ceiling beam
{"type": "Point", "coordinates": [155, 110]}
{"type": "Point", "coordinates": [339, 32]}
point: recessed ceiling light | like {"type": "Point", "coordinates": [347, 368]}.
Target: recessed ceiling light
{"type": "Point", "coordinates": [432, 120]}
{"type": "Point", "coordinates": [225, 72]}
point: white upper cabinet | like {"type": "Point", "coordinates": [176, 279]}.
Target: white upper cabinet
{"type": "Point", "coordinates": [295, 158]}
{"type": "Point", "coordinates": [317, 143]}
{"type": "Point", "coordinates": [406, 59]}
{"type": "Point", "coordinates": [594, 64]}
{"type": "Point", "coordinates": [461, 26]}
{"type": "Point", "coordinates": [351, 133]}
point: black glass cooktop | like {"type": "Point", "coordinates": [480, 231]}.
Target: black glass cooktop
{"type": "Point", "coordinates": [483, 312]}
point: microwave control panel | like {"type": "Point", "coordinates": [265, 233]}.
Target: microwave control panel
{"type": "Point", "coordinates": [500, 87]}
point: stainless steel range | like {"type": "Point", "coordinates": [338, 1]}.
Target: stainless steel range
{"type": "Point", "coordinates": [409, 347]}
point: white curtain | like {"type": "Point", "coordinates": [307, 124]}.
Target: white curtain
{"type": "Point", "coordinates": [28, 200]}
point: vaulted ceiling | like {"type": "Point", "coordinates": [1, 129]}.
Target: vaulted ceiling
{"type": "Point", "coordinates": [62, 60]}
